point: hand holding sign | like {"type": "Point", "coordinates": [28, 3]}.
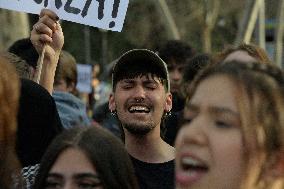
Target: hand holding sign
{"type": "Point", "coordinates": [47, 31]}
{"type": "Point", "coordinates": [47, 38]}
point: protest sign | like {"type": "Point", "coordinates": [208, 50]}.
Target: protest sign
{"type": "Point", "coordinates": [105, 14]}
{"type": "Point", "coordinates": [84, 78]}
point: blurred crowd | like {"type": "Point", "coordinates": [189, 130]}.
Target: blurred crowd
{"type": "Point", "coordinates": [160, 118]}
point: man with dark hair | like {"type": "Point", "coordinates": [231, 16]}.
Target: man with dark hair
{"type": "Point", "coordinates": [175, 53]}
{"type": "Point", "coordinates": [141, 99]}
{"type": "Point", "coordinates": [193, 66]}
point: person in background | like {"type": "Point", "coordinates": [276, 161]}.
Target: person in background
{"type": "Point", "coordinates": [24, 49]}
{"type": "Point", "coordinates": [86, 157]}
{"type": "Point", "coordinates": [23, 69]}
{"type": "Point", "coordinates": [47, 35]}
{"type": "Point", "coordinates": [141, 99]}
{"type": "Point", "coordinates": [175, 54]}
{"type": "Point", "coordinates": [58, 69]}
{"type": "Point", "coordinates": [233, 138]}
{"type": "Point", "coordinates": [192, 68]}
{"type": "Point", "coordinates": [101, 113]}
{"type": "Point", "coordinates": [38, 124]}
{"type": "Point", "coordinates": [9, 100]}
{"type": "Point", "coordinates": [71, 109]}
{"type": "Point", "coordinates": [66, 73]}
{"type": "Point", "coordinates": [243, 52]}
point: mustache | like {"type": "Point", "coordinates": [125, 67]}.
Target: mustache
{"type": "Point", "coordinates": [134, 102]}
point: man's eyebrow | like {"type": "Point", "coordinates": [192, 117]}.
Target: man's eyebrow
{"type": "Point", "coordinates": [127, 80]}
{"type": "Point", "coordinates": [147, 81]}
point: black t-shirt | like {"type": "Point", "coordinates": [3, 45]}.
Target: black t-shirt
{"type": "Point", "coordinates": [178, 102]}
{"type": "Point", "coordinates": [154, 175]}
{"type": "Point", "coordinates": [172, 125]}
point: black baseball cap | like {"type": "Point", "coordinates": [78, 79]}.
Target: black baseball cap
{"type": "Point", "coordinates": [139, 58]}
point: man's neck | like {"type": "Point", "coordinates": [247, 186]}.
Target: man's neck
{"type": "Point", "coordinates": [148, 148]}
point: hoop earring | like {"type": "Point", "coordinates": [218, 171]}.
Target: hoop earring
{"type": "Point", "coordinates": [168, 114]}
{"type": "Point", "coordinates": [113, 113]}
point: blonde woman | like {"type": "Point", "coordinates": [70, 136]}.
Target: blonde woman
{"type": "Point", "coordinates": [244, 52]}
{"type": "Point", "coordinates": [9, 95]}
{"type": "Point", "coordinates": [233, 130]}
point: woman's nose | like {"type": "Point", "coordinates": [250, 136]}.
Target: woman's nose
{"type": "Point", "coordinates": [193, 132]}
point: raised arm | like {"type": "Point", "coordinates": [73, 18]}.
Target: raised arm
{"type": "Point", "coordinates": [47, 36]}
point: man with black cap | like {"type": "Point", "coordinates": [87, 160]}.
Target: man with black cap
{"type": "Point", "coordinates": [141, 99]}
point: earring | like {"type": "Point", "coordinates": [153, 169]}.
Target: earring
{"type": "Point", "coordinates": [113, 113]}
{"type": "Point", "coordinates": [169, 113]}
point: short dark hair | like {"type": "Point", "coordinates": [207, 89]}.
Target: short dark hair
{"type": "Point", "coordinates": [194, 65]}
{"type": "Point", "coordinates": [136, 70]}
{"type": "Point", "coordinates": [25, 49]}
{"type": "Point", "coordinates": [104, 150]}
{"type": "Point", "coordinates": [175, 50]}
{"type": "Point", "coordinates": [140, 62]}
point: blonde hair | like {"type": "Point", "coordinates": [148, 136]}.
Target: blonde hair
{"type": "Point", "coordinates": [23, 69]}
{"type": "Point", "coordinates": [260, 100]}
{"type": "Point", "coordinates": [253, 50]}
{"type": "Point", "coordinates": [9, 99]}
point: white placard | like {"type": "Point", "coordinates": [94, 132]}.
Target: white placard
{"type": "Point", "coordinates": [105, 14]}
{"type": "Point", "coordinates": [84, 78]}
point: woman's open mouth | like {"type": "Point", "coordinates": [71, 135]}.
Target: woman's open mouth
{"type": "Point", "coordinates": [190, 171]}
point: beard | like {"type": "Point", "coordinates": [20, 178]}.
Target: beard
{"type": "Point", "coordinates": [139, 130]}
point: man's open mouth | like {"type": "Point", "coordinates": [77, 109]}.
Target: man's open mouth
{"type": "Point", "coordinates": [138, 109]}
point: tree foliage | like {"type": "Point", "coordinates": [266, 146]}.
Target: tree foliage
{"type": "Point", "coordinates": [144, 27]}
{"type": "Point", "coordinates": [14, 25]}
